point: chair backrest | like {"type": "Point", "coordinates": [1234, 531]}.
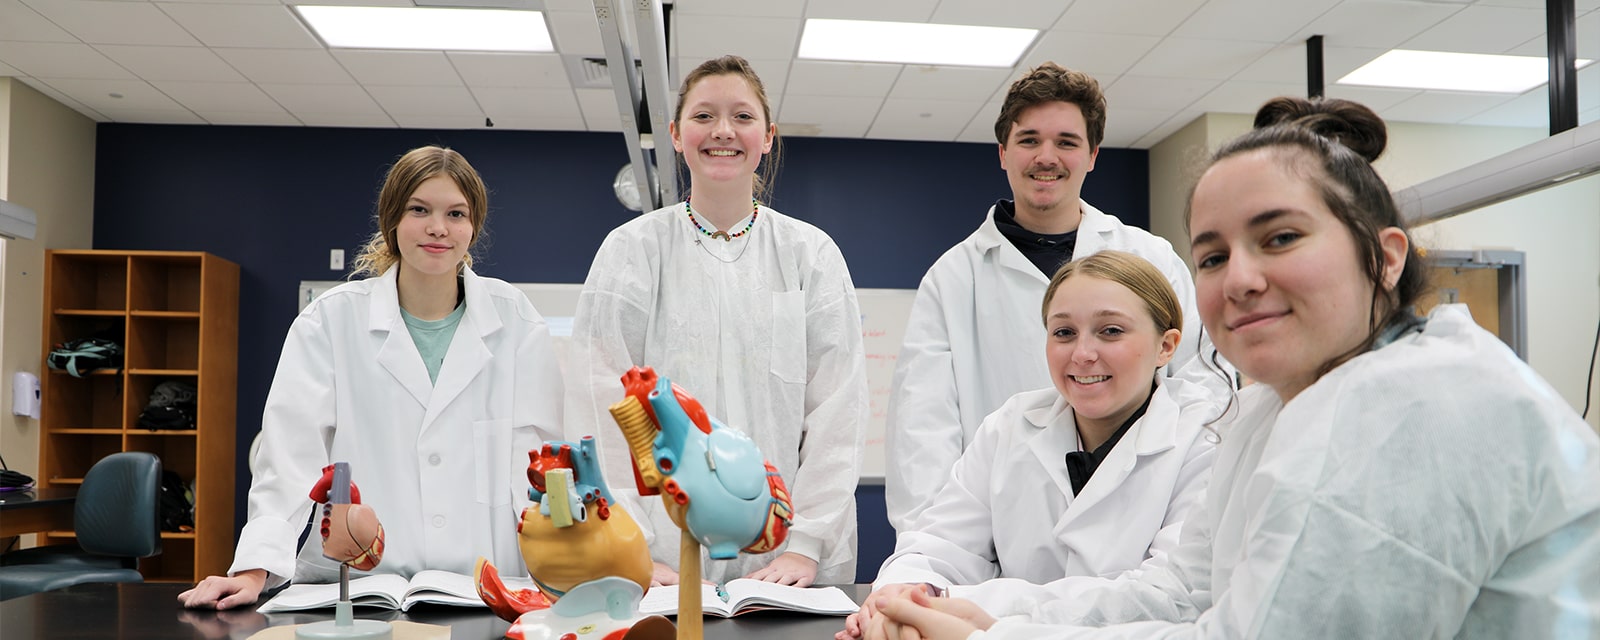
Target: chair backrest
{"type": "Point", "coordinates": [118, 509]}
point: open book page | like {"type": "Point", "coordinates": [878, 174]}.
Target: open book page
{"type": "Point", "coordinates": [390, 591]}
{"type": "Point", "coordinates": [745, 595]}
{"type": "Point", "coordinates": [384, 590]}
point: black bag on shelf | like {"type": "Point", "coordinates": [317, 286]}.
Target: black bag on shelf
{"type": "Point", "coordinates": [79, 357]}
{"type": "Point", "coordinates": [177, 503]}
{"type": "Point", "coordinates": [171, 406]}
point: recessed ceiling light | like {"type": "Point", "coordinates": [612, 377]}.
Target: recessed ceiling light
{"type": "Point", "coordinates": [1446, 71]}
{"type": "Point", "coordinates": [914, 43]}
{"type": "Point", "coordinates": [428, 28]}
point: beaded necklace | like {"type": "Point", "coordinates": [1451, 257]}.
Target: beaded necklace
{"type": "Point", "coordinates": [755, 209]}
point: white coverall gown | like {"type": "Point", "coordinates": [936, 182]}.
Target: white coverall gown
{"type": "Point", "coordinates": [444, 465]}
{"type": "Point", "coordinates": [766, 333]}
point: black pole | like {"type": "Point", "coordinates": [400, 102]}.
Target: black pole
{"type": "Point", "coordinates": [1559, 35]}
{"type": "Point", "coordinates": [1314, 66]}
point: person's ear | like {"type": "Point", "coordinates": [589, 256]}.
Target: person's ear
{"type": "Point", "coordinates": [672, 132]}
{"type": "Point", "coordinates": [772, 134]}
{"type": "Point", "coordinates": [1395, 246]}
{"type": "Point", "coordinates": [1169, 347]}
{"type": "Point", "coordinates": [1093, 153]}
{"type": "Point", "coordinates": [1002, 148]}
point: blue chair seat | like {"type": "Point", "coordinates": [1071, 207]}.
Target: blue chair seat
{"type": "Point", "coordinates": [21, 580]}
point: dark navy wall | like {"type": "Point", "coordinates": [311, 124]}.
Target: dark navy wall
{"type": "Point", "coordinates": [275, 200]}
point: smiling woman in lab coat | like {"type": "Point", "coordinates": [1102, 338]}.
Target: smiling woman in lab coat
{"type": "Point", "coordinates": [749, 310]}
{"type": "Point", "coordinates": [1092, 477]}
{"type": "Point", "coordinates": [1389, 477]}
{"type": "Point", "coordinates": [431, 381]}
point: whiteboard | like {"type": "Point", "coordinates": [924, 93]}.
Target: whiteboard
{"type": "Point", "coordinates": [883, 324]}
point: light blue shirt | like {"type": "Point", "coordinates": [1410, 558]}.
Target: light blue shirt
{"type": "Point", "coordinates": [433, 337]}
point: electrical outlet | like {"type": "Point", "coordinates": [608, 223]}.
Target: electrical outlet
{"type": "Point", "coordinates": [336, 260]}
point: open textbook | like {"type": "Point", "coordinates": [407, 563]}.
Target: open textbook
{"type": "Point", "coordinates": [389, 591]}
{"type": "Point", "coordinates": [745, 595]}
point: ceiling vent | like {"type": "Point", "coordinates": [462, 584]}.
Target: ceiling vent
{"type": "Point", "coordinates": [591, 72]}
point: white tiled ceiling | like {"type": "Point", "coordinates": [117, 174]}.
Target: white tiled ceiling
{"type": "Point", "coordinates": [1161, 62]}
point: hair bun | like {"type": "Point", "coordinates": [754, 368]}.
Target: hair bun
{"type": "Point", "coordinates": [1349, 123]}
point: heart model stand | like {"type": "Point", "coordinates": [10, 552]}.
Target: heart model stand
{"type": "Point", "coordinates": [344, 626]}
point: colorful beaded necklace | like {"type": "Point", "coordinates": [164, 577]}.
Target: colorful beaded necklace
{"type": "Point", "coordinates": [755, 209]}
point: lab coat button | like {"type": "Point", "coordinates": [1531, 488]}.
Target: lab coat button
{"type": "Point", "coordinates": [438, 522]}
{"type": "Point", "coordinates": [434, 459]}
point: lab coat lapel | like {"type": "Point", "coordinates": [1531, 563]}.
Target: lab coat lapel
{"type": "Point", "coordinates": [1058, 435]}
{"type": "Point", "coordinates": [468, 355]}
{"type": "Point", "coordinates": [1094, 232]}
{"type": "Point", "coordinates": [1154, 432]}
{"type": "Point", "coordinates": [398, 355]}
{"type": "Point", "coordinates": [1005, 254]}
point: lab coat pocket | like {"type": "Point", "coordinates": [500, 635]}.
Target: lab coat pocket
{"type": "Point", "coordinates": [788, 356]}
{"type": "Point", "coordinates": [491, 448]}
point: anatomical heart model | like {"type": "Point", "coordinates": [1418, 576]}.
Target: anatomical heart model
{"type": "Point", "coordinates": [353, 537]}
{"type": "Point", "coordinates": [587, 556]}
{"type": "Point", "coordinates": [713, 480]}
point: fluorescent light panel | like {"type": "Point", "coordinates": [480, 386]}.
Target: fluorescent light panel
{"type": "Point", "coordinates": [1446, 71]}
{"type": "Point", "coordinates": [914, 43]}
{"type": "Point", "coordinates": [428, 28]}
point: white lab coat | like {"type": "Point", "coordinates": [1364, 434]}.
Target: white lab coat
{"type": "Point", "coordinates": [975, 338]}
{"type": "Point", "coordinates": [443, 464]}
{"type": "Point", "coordinates": [766, 334]}
{"type": "Point", "coordinates": [1008, 509]}
{"type": "Point", "coordinates": [1433, 488]}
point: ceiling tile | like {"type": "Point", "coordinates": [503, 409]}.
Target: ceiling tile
{"type": "Point", "coordinates": [575, 32]}
{"type": "Point", "coordinates": [61, 60]}
{"type": "Point", "coordinates": [1587, 45]}
{"type": "Point", "coordinates": [1027, 14]}
{"type": "Point", "coordinates": [1376, 98]}
{"type": "Point", "coordinates": [1244, 97]}
{"type": "Point", "coordinates": [136, 95]}
{"type": "Point", "coordinates": [1253, 19]}
{"type": "Point", "coordinates": [323, 99]}
{"type": "Point", "coordinates": [541, 124]}
{"type": "Point", "coordinates": [525, 70]}
{"type": "Point", "coordinates": [702, 37]}
{"type": "Point", "coordinates": [20, 22]}
{"type": "Point", "coordinates": [41, 87]}
{"type": "Point", "coordinates": [829, 116]}
{"type": "Point", "coordinates": [740, 8]}
{"type": "Point", "coordinates": [425, 101]}
{"type": "Point", "coordinates": [398, 68]}
{"type": "Point", "coordinates": [1125, 126]}
{"type": "Point", "coordinates": [286, 66]}
{"type": "Point", "coordinates": [1382, 24]}
{"type": "Point", "coordinates": [96, 22]}
{"type": "Point", "coordinates": [196, 64]}
{"type": "Point", "coordinates": [948, 83]}
{"type": "Point", "coordinates": [1171, 126]}
{"type": "Point", "coordinates": [569, 5]}
{"type": "Point", "coordinates": [1443, 107]}
{"type": "Point", "coordinates": [981, 128]}
{"type": "Point", "coordinates": [441, 121]}
{"type": "Point", "coordinates": [599, 108]}
{"type": "Point", "coordinates": [1135, 17]}
{"type": "Point", "coordinates": [219, 96]}
{"type": "Point", "coordinates": [1156, 93]}
{"type": "Point", "coordinates": [898, 11]}
{"type": "Point", "coordinates": [774, 76]}
{"type": "Point", "coordinates": [249, 118]}
{"type": "Point", "coordinates": [901, 119]}
{"type": "Point", "coordinates": [142, 116]}
{"type": "Point", "coordinates": [368, 120]}
{"type": "Point", "coordinates": [7, 71]}
{"type": "Point", "coordinates": [1287, 63]}
{"type": "Point", "coordinates": [1588, 87]}
{"type": "Point", "coordinates": [528, 104]}
{"type": "Point", "coordinates": [1092, 53]}
{"type": "Point", "coordinates": [1480, 30]}
{"type": "Point", "coordinates": [857, 79]}
{"type": "Point", "coordinates": [1197, 58]}
{"type": "Point", "coordinates": [1529, 109]}
{"type": "Point", "coordinates": [254, 26]}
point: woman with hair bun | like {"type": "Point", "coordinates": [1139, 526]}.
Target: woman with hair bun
{"type": "Point", "coordinates": [1390, 476]}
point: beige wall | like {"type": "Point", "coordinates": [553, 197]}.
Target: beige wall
{"type": "Point", "coordinates": [47, 165]}
{"type": "Point", "coordinates": [1558, 229]}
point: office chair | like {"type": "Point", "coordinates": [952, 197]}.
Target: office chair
{"type": "Point", "coordinates": [117, 519]}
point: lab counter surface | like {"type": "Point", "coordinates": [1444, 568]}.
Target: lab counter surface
{"type": "Point", "coordinates": [151, 610]}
